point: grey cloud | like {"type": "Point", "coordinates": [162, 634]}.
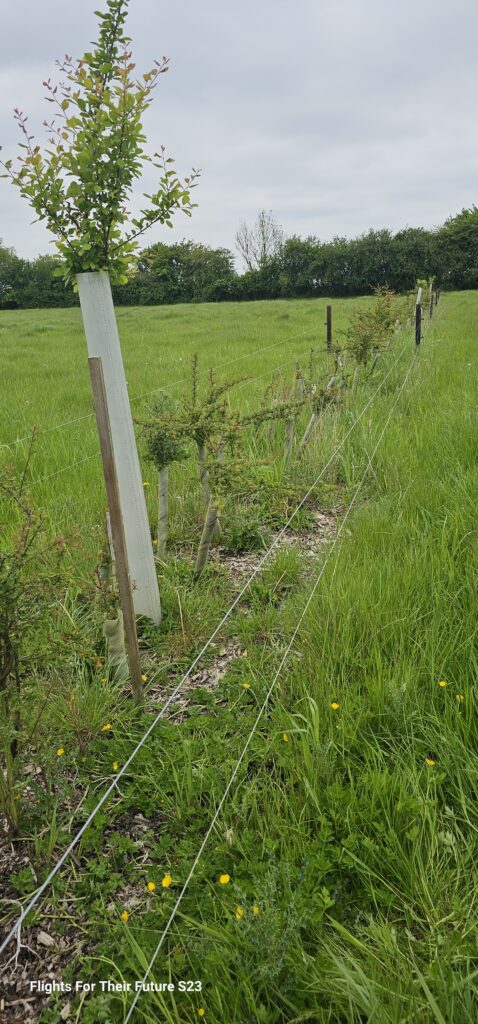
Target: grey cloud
{"type": "Point", "coordinates": [338, 115]}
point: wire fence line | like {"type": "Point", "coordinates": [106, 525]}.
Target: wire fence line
{"type": "Point", "coordinates": [95, 454]}
{"type": "Point", "coordinates": [145, 394]}
{"type": "Point", "coordinates": [15, 930]}
{"type": "Point", "coordinates": [265, 703]}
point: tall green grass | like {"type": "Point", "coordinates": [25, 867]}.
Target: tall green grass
{"type": "Point", "coordinates": [350, 833]}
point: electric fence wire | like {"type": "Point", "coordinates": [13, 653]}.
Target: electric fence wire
{"type": "Point", "coordinates": [145, 394]}
{"type": "Point", "coordinates": [265, 703]}
{"type": "Point", "coordinates": [15, 930]}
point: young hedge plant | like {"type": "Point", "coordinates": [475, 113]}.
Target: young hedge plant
{"type": "Point", "coordinates": [81, 183]}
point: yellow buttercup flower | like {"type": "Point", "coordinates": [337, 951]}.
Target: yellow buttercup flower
{"type": "Point", "coordinates": [442, 682]}
{"type": "Point", "coordinates": [246, 686]}
{"type": "Point", "coordinates": [115, 766]}
{"type": "Point", "coordinates": [144, 678]}
{"type": "Point", "coordinates": [224, 879]}
{"type": "Point", "coordinates": [145, 483]}
{"type": "Point", "coordinates": [201, 1012]}
{"type": "Point", "coordinates": [239, 913]}
{"type": "Point", "coordinates": [244, 654]}
{"type": "Point", "coordinates": [151, 886]}
{"type": "Point", "coordinates": [124, 916]}
{"type": "Point", "coordinates": [460, 697]}
{"type": "Point", "coordinates": [285, 737]}
{"type": "Point", "coordinates": [166, 882]}
{"type": "Point", "coordinates": [105, 728]}
{"type": "Point", "coordinates": [334, 705]}
{"type": "Point", "coordinates": [60, 751]}
{"type": "Point", "coordinates": [430, 762]}
{"type": "Point", "coordinates": [255, 908]}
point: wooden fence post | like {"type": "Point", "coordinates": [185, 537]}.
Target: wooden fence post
{"type": "Point", "coordinates": [116, 524]}
{"type": "Point", "coordinates": [329, 328]}
{"type": "Point", "coordinates": [418, 323]}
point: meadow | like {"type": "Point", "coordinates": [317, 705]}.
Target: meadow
{"type": "Point", "coordinates": [311, 797]}
{"type": "Point", "coordinates": [44, 360]}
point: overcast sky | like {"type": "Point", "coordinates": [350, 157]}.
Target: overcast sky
{"type": "Point", "coordinates": [337, 115]}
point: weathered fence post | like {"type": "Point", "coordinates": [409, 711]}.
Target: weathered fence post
{"type": "Point", "coordinates": [103, 342]}
{"type": "Point", "coordinates": [418, 318]}
{"type": "Point", "coordinates": [116, 523]}
{"type": "Point", "coordinates": [329, 328]}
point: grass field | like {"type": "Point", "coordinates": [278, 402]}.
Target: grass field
{"type": "Point", "coordinates": [347, 842]}
{"type": "Point", "coordinates": [44, 356]}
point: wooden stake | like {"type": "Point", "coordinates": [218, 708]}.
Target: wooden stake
{"type": "Point", "coordinates": [329, 328]}
{"type": "Point", "coordinates": [116, 522]}
{"type": "Point", "coordinates": [418, 323]}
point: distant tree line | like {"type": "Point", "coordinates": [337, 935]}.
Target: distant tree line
{"type": "Point", "coordinates": [275, 267]}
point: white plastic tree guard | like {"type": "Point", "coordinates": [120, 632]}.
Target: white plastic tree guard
{"type": "Point", "coordinates": [102, 339]}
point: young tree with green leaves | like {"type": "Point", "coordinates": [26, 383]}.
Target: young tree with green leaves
{"type": "Point", "coordinates": [80, 185]}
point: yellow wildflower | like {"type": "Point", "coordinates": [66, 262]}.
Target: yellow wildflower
{"type": "Point", "coordinates": [155, 543]}
{"type": "Point", "coordinates": [246, 686]}
{"type": "Point", "coordinates": [145, 483]}
{"type": "Point", "coordinates": [106, 727]}
{"type": "Point", "coordinates": [285, 737]}
{"type": "Point", "coordinates": [430, 762]}
{"type": "Point", "coordinates": [460, 697]}
{"type": "Point", "coordinates": [224, 879]}
{"type": "Point", "coordinates": [115, 766]}
{"type": "Point", "coordinates": [201, 1012]}
{"type": "Point", "coordinates": [166, 882]}
{"type": "Point", "coordinates": [255, 908]}
{"type": "Point", "coordinates": [442, 682]}
{"type": "Point", "coordinates": [244, 654]}
{"type": "Point", "coordinates": [144, 678]}
{"type": "Point", "coordinates": [60, 751]}
{"type": "Point", "coordinates": [334, 705]}
{"type": "Point", "coordinates": [124, 916]}
{"type": "Point", "coordinates": [239, 913]}
{"type": "Point", "coordinates": [151, 886]}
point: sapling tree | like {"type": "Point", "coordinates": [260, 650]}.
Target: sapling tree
{"type": "Point", "coordinates": [369, 332]}
{"type": "Point", "coordinates": [209, 425]}
{"type": "Point", "coordinates": [223, 458]}
{"type": "Point", "coordinates": [166, 442]}
{"type": "Point", "coordinates": [291, 420]}
{"type": "Point", "coordinates": [207, 421]}
{"type": "Point", "coordinates": [80, 185]}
